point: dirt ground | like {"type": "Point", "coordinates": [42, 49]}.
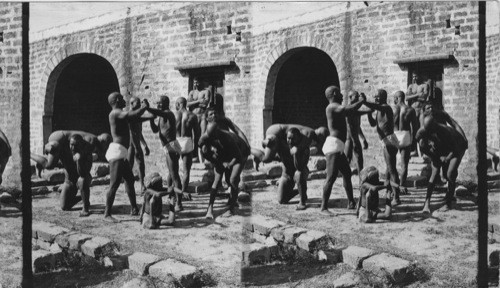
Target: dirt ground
{"type": "Point", "coordinates": [443, 245]}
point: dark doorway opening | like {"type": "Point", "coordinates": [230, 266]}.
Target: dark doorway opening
{"type": "Point", "coordinates": [81, 94]}
{"type": "Point", "coordinates": [299, 95]}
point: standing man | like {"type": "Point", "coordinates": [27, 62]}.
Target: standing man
{"type": "Point", "coordinates": [136, 139]}
{"type": "Point", "coordinates": [82, 155]}
{"type": "Point", "coordinates": [171, 147]}
{"type": "Point", "coordinates": [384, 121]}
{"type": "Point", "coordinates": [198, 101]}
{"type": "Point", "coordinates": [405, 125]}
{"type": "Point", "coordinates": [119, 167]}
{"type": "Point", "coordinates": [188, 133]}
{"type": "Point", "coordinates": [418, 93]}
{"type": "Point", "coordinates": [334, 146]}
{"type": "Point", "coordinates": [354, 133]}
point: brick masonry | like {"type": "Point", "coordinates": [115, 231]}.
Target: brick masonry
{"type": "Point", "coordinates": [362, 43]}
{"type": "Point", "coordinates": [11, 86]}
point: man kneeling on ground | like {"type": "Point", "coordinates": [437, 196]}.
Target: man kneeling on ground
{"type": "Point", "coordinates": [368, 210]}
{"type": "Point", "coordinates": [151, 211]}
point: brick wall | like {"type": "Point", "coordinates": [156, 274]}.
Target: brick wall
{"type": "Point", "coordinates": [362, 43]}
{"type": "Point", "coordinates": [11, 86]}
{"type": "Point", "coordinates": [493, 89]}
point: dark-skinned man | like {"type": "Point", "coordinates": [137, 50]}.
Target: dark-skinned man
{"type": "Point", "coordinates": [82, 156]}
{"type": "Point", "coordinates": [355, 133]}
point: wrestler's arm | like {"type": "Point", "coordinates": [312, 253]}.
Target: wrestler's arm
{"type": "Point", "coordinates": [454, 124]}
{"type": "Point", "coordinates": [300, 157]}
{"type": "Point", "coordinates": [363, 138]}
{"type": "Point", "coordinates": [352, 108]}
{"type": "Point", "coordinates": [372, 120]}
{"type": "Point", "coordinates": [206, 98]}
{"type": "Point", "coordinates": [132, 115]}
{"type": "Point", "coordinates": [237, 131]}
{"type": "Point", "coordinates": [171, 216]}
{"type": "Point", "coordinates": [157, 112]}
{"type": "Point", "coordinates": [153, 125]}
{"type": "Point", "coordinates": [143, 142]}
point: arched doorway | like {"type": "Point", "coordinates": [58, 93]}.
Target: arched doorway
{"type": "Point", "coordinates": [299, 90]}
{"type": "Point", "coordinates": [79, 87]}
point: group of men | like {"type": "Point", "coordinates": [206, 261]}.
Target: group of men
{"type": "Point", "coordinates": [195, 129]}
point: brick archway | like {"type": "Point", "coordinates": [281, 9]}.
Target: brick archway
{"type": "Point", "coordinates": [278, 56]}
{"type": "Point", "coordinates": [56, 64]}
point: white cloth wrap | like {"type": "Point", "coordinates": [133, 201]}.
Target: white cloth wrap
{"type": "Point", "coordinates": [404, 138]}
{"type": "Point", "coordinates": [391, 141]}
{"type": "Point", "coordinates": [186, 144]}
{"type": "Point", "coordinates": [116, 152]}
{"type": "Point", "coordinates": [333, 145]}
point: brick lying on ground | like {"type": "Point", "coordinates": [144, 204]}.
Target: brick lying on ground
{"type": "Point", "coordinates": [272, 170]}
{"type": "Point", "coordinates": [36, 182]}
{"type": "Point", "coordinates": [187, 275]}
{"type": "Point", "coordinates": [47, 231]}
{"type": "Point", "coordinates": [254, 184]}
{"type": "Point", "coordinates": [99, 247]}
{"type": "Point", "coordinates": [198, 187]}
{"type": "Point", "coordinates": [55, 176]}
{"type": "Point", "coordinates": [387, 266]}
{"type": "Point", "coordinates": [99, 169]}
{"type": "Point", "coordinates": [263, 225]}
{"type": "Point", "coordinates": [40, 190]}
{"type": "Point", "coordinates": [313, 240]}
{"type": "Point", "coordinates": [252, 176]}
{"type": "Point", "coordinates": [348, 280]}
{"type": "Point", "coordinates": [140, 262]}
{"type": "Point", "coordinates": [416, 181]}
{"type": "Point", "coordinates": [42, 260]}
{"type": "Point", "coordinates": [101, 181]}
{"type": "Point", "coordinates": [316, 175]}
{"type": "Point", "coordinates": [354, 256]}
{"type": "Point", "coordinates": [316, 163]}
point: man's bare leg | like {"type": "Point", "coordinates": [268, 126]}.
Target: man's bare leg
{"type": "Point", "coordinates": [452, 174]}
{"type": "Point", "coordinates": [430, 187]}
{"type": "Point", "coordinates": [344, 168]}
{"type": "Point", "coordinates": [300, 178]}
{"type": "Point", "coordinates": [68, 197]}
{"type": "Point", "coordinates": [348, 149]}
{"type": "Point", "coordinates": [390, 154]}
{"type": "Point", "coordinates": [358, 153]}
{"type": "Point", "coordinates": [128, 176]}
{"type": "Point", "coordinates": [285, 189]}
{"type": "Point", "coordinates": [84, 187]}
{"type": "Point", "coordinates": [234, 181]}
{"type": "Point", "coordinates": [187, 161]}
{"type": "Point", "coordinates": [139, 156]}
{"type": "Point", "coordinates": [213, 194]}
{"type": "Point", "coordinates": [115, 173]}
{"type": "Point", "coordinates": [332, 171]}
{"type": "Point", "coordinates": [173, 170]}
{"type": "Point", "coordinates": [405, 159]}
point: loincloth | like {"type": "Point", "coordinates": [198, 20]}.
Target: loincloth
{"type": "Point", "coordinates": [172, 147]}
{"type": "Point", "coordinates": [116, 152]}
{"type": "Point", "coordinates": [391, 141]}
{"type": "Point", "coordinates": [333, 145]}
{"type": "Point", "coordinates": [404, 138]}
{"type": "Point", "coordinates": [186, 144]}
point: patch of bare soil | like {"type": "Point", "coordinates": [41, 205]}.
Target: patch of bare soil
{"type": "Point", "coordinates": [10, 246]}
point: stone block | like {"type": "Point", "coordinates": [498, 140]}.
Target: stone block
{"type": "Point", "coordinates": [100, 181]}
{"type": "Point", "coordinates": [76, 240]}
{"type": "Point", "coordinates": [354, 256]}
{"type": "Point", "coordinates": [252, 176]}
{"type": "Point", "coordinates": [201, 166]}
{"type": "Point", "coordinates": [279, 233]}
{"type": "Point", "coordinates": [41, 190]}
{"type": "Point", "coordinates": [55, 176]}
{"type": "Point", "coordinates": [273, 247]}
{"type": "Point", "coordinates": [136, 283]}
{"type": "Point", "coordinates": [42, 244]}
{"type": "Point", "coordinates": [6, 198]}
{"type": "Point", "coordinates": [98, 247]}
{"type": "Point", "coordinates": [187, 275]}
{"type": "Point", "coordinates": [249, 185]}
{"type": "Point", "coordinates": [256, 253]}
{"type": "Point", "coordinates": [198, 187]}
{"type": "Point", "coordinates": [201, 175]}
{"type": "Point", "coordinates": [259, 237]}
{"type": "Point", "coordinates": [264, 225]}
{"type": "Point", "coordinates": [244, 197]}
{"type": "Point", "coordinates": [312, 240]}
{"type": "Point", "coordinates": [462, 191]}
{"type": "Point", "coordinates": [316, 163]}
{"type": "Point", "coordinates": [419, 160]}
{"type": "Point", "coordinates": [118, 262]}
{"type": "Point", "coordinates": [317, 175]}
{"type": "Point", "coordinates": [140, 262]}
{"type": "Point", "coordinates": [37, 182]}
{"type": "Point", "coordinates": [272, 170]}
{"type": "Point", "coordinates": [330, 256]}
{"type": "Point", "coordinates": [13, 191]}
{"type": "Point", "coordinates": [63, 239]}
{"type": "Point", "coordinates": [416, 181]}
{"type": "Point", "coordinates": [385, 265]}
{"type": "Point", "coordinates": [348, 280]}
{"type": "Point", "coordinates": [99, 169]}
{"type": "Point", "coordinates": [292, 233]}
{"type": "Point", "coordinates": [47, 231]}
{"type": "Point", "coordinates": [42, 261]}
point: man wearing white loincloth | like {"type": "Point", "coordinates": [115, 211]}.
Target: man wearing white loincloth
{"type": "Point", "coordinates": [334, 146]}
{"type": "Point", "coordinates": [119, 167]}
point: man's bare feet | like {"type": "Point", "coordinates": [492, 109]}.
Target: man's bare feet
{"type": "Point", "coordinates": [301, 207]}
{"type": "Point", "coordinates": [327, 213]}
{"type": "Point", "coordinates": [178, 208]}
{"type": "Point", "coordinates": [134, 211]}
{"type": "Point", "coordinates": [351, 205]}
{"type": "Point", "coordinates": [395, 201]}
{"type": "Point", "coordinates": [228, 213]}
{"type": "Point", "coordinates": [210, 215]}
{"type": "Point", "coordinates": [186, 196]}
{"type": "Point", "coordinates": [84, 214]}
{"type": "Point", "coordinates": [111, 219]}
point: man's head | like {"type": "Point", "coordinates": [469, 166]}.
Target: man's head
{"type": "Point", "coordinates": [197, 83]}
{"type": "Point", "coordinates": [414, 77]}
{"type": "Point", "coordinates": [211, 114]}
{"type": "Point", "coordinates": [293, 136]}
{"type": "Point", "coordinates": [116, 100]}
{"type": "Point", "coordinates": [135, 103]}
{"type": "Point", "coordinates": [333, 93]}
{"type": "Point", "coordinates": [399, 97]}
{"type": "Point", "coordinates": [428, 108]}
{"type": "Point", "coordinates": [353, 96]}
{"type": "Point", "coordinates": [180, 103]}
{"type": "Point", "coordinates": [369, 175]}
{"type": "Point", "coordinates": [163, 103]}
{"type": "Point", "coordinates": [76, 143]}
{"type": "Point", "coordinates": [154, 181]}
{"type": "Point", "coordinates": [381, 96]}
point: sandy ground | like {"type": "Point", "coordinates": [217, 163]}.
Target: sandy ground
{"type": "Point", "coordinates": [10, 246]}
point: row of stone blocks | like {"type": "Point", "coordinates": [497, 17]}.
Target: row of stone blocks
{"type": "Point", "coordinates": [55, 242]}
{"type": "Point", "coordinates": [272, 235]}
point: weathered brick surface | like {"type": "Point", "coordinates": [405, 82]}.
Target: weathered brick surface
{"type": "Point", "coordinates": [140, 262]}
{"type": "Point", "coordinates": [263, 225]}
{"type": "Point", "coordinates": [98, 247]}
{"type": "Point", "coordinates": [47, 231]}
{"type": "Point", "coordinates": [354, 256]}
{"type": "Point", "coordinates": [255, 253]}
{"type": "Point", "coordinates": [316, 163]}
{"type": "Point", "coordinates": [272, 170]}
{"type": "Point", "coordinates": [292, 233]}
{"type": "Point", "coordinates": [76, 240]}
{"type": "Point", "coordinates": [311, 240]}
{"type": "Point", "coordinates": [198, 187]}
{"type": "Point", "coordinates": [184, 273]}
{"type": "Point", "coordinates": [99, 169]}
{"type": "Point", "coordinates": [385, 265]}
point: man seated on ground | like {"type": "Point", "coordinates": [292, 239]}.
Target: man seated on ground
{"type": "Point", "coordinates": [384, 121]}
{"type": "Point", "coordinates": [151, 210]}
{"type": "Point", "coordinates": [5, 153]}
{"type": "Point", "coordinates": [300, 155]}
{"type": "Point", "coordinates": [334, 146]}
{"type": "Point", "coordinates": [228, 153]}
{"type": "Point", "coordinates": [445, 146]}
{"type": "Point", "coordinates": [274, 144]}
{"type": "Point", "coordinates": [495, 156]}
{"type": "Point", "coordinates": [368, 210]}
{"type": "Point", "coordinates": [58, 149]}
{"type": "Point", "coordinates": [82, 155]}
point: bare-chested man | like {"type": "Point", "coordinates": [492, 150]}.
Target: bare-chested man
{"type": "Point", "coordinates": [405, 123]}
{"type": "Point", "coordinates": [5, 153]}
{"type": "Point", "coordinates": [136, 139]}
{"type": "Point", "coordinates": [198, 101]}
{"type": "Point", "coordinates": [445, 146]}
{"type": "Point", "coordinates": [228, 153]}
{"type": "Point", "coordinates": [167, 132]}
{"type": "Point", "coordinates": [276, 143]}
{"type": "Point", "coordinates": [58, 148]}
{"type": "Point", "coordinates": [334, 146]}
{"type": "Point", "coordinates": [151, 210]}
{"type": "Point", "coordinates": [300, 155]}
{"type": "Point", "coordinates": [354, 133]}
{"type": "Point", "coordinates": [417, 93]}
{"type": "Point", "coordinates": [119, 167]}
{"type": "Point", "coordinates": [384, 121]}
{"type": "Point", "coordinates": [188, 133]}
{"type": "Point", "coordinates": [82, 156]}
